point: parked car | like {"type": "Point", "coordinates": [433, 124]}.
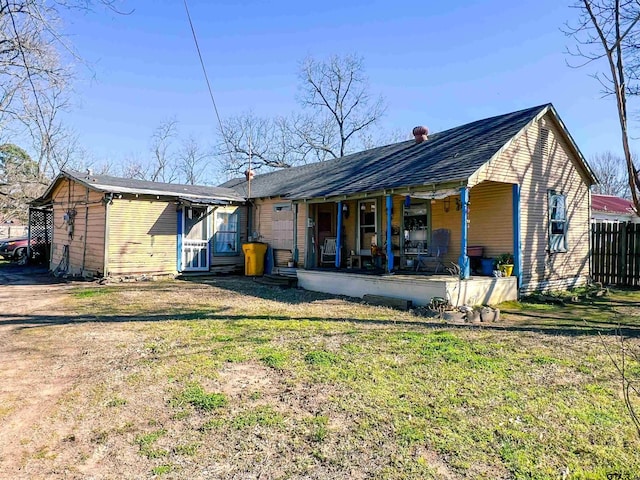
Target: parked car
{"type": "Point", "coordinates": [14, 248]}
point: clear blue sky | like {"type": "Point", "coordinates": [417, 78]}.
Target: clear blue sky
{"type": "Point", "coordinates": [439, 64]}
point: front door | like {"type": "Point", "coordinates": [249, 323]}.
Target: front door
{"type": "Point", "coordinates": [325, 223]}
{"type": "Point", "coordinates": [195, 239]}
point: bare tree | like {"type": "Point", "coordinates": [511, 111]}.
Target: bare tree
{"type": "Point", "coordinates": [625, 357]}
{"type": "Point", "coordinates": [34, 81]}
{"type": "Point", "coordinates": [54, 145]}
{"type": "Point", "coordinates": [164, 168]}
{"type": "Point", "coordinates": [608, 31]}
{"type": "Point", "coordinates": [261, 142]}
{"type": "Point", "coordinates": [338, 112]}
{"type": "Point", "coordinates": [612, 174]}
{"type": "Point", "coordinates": [369, 140]}
{"type": "Point", "coordinates": [133, 168]}
{"type": "Point", "coordinates": [192, 160]}
{"type": "Point", "coordinates": [20, 182]}
{"type": "Point", "coordinates": [29, 61]}
{"type": "Point", "coordinates": [337, 93]}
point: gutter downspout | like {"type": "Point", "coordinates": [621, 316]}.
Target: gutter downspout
{"type": "Point", "coordinates": [108, 200]}
{"type": "Point", "coordinates": [86, 229]}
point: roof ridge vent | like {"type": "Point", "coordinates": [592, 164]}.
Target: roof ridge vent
{"type": "Point", "coordinates": [420, 133]}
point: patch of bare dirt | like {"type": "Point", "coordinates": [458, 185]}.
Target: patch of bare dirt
{"type": "Point", "coordinates": [240, 379]}
{"type": "Point", "coordinates": [32, 378]}
{"type": "Point", "coordinates": [44, 354]}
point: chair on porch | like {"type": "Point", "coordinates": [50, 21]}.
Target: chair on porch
{"type": "Point", "coordinates": [328, 251]}
{"type": "Point", "coordinates": [437, 249]}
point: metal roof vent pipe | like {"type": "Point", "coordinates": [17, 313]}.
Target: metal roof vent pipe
{"type": "Point", "coordinates": [420, 133]}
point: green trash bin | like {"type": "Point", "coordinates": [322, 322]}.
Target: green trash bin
{"type": "Point", "coordinates": [254, 258]}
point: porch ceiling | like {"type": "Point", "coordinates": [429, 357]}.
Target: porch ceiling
{"type": "Point", "coordinates": [436, 195]}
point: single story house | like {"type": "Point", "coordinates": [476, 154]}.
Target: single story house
{"type": "Point", "coordinates": [104, 225]}
{"type": "Point", "coordinates": [371, 222]}
{"type": "Point", "coordinates": [511, 184]}
{"type": "Point", "coordinates": [610, 209]}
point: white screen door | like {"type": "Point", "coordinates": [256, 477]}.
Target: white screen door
{"type": "Point", "coordinates": [367, 226]}
{"type": "Point", "coordinates": [195, 239]}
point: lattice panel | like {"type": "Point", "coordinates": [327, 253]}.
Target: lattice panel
{"type": "Point", "coordinates": [40, 233]}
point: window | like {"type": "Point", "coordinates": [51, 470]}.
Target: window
{"type": "Point", "coordinates": [226, 239]}
{"type": "Point", "coordinates": [282, 227]}
{"type": "Point", "coordinates": [557, 222]}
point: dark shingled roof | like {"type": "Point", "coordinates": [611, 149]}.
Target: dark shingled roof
{"type": "Point", "coordinates": [107, 183]}
{"type": "Point", "coordinates": [451, 155]}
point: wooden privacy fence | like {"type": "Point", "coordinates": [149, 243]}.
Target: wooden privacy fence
{"type": "Point", "coordinates": [615, 254]}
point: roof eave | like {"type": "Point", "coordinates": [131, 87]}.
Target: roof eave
{"type": "Point", "coordinates": [563, 128]}
{"type": "Point", "coordinates": [42, 198]}
{"type": "Point", "coordinates": [163, 193]}
{"type": "Point", "coordinates": [133, 191]}
{"type": "Point", "coordinates": [509, 142]}
{"type": "Point", "coordinates": [403, 190]}
{"type": "Point", "coordinates": [574, 146]}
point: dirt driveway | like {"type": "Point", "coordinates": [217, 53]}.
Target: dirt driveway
{"type": "Point", "coordinates": [34, 373]}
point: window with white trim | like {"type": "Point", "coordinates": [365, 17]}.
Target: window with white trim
{"type": "Point", "coordinates": [226, 239]}
{"type": "Point", "coordinates": [558, 223]}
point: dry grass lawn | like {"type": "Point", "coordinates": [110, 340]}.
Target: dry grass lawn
{"type": "Point", "coordinates": [228, 379]}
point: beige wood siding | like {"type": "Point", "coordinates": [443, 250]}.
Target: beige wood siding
{"type": "Point", "coordinates": [538, 170]}
{"type": "Point", "coordinates": [264, 218]}
{"type": "Point", "coordinates": [233, 260]}
{"type": "Point", "coordinates": [142, 237]}
{"type": "Point", "coordinates": [85, 244]}
{"type": "Point", "coordinates": [491, 218]}
{"type": "Point", "coordinates": [452, 221]}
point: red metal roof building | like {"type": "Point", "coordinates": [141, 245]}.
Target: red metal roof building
{"type": "Point", "coordinates": [610, 209]}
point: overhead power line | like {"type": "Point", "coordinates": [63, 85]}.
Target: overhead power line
{"type": "Point", "coordinates": [206, 77]}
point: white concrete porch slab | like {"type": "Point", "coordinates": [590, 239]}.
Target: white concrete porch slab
{"type": "Point", "coordinates": [419, 289]}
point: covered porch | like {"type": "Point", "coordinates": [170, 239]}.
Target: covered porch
{"type": "Point", "coordinates": [377, 243]}
{"type": "Point", "coordinates": [397, 231]}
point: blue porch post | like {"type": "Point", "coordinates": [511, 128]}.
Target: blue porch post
{"type": "Point", "coordinates": [389, 245]}
{"type": "Point", "coordinates": [339, 236]}
{"type": "Point", "coordinates": [463, 260]}
{"type": "Point", "coordinates": [179, 239]}
{"type": "Point", "coordinates": [517, 239]}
